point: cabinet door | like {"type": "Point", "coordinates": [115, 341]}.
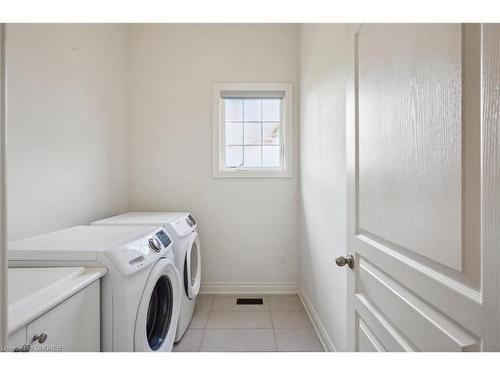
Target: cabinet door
{"type": "Point", "coordinates": [72, 326]}
{"type": "Point", "coordinates": [17, 340]}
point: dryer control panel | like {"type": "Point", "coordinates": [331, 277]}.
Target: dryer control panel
{"type": "Point", "coordinates": [184, 225]}
{"type": "Point", "coordinates": [190, 220]}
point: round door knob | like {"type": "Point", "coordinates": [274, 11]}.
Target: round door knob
{"type": "Point", "coordinates": [154, 244]}
{"type": "Point", "coordinates": [342, 261]}
{"type": "Point", "coordinates": [41, 338]}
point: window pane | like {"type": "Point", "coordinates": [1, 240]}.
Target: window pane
{"type": "Point", "coordinates": [271, 109]}
{"type": "Point", "coordinates": [253, 110]}
{"type": "Point", "coordinates": [252, 134]}
{"type": "Point", "coordinates": [271, 134]}
{"type": "Point", "coordinates": [233, 109]}
{"type": "Point", "coordinates": [271, 156]}
{"type": "Point", "coordinates": [252, 156]}
{"type": "Point", "coordinates": [234, 133]}
{"type": "Point", "coordinates": [234, 156]}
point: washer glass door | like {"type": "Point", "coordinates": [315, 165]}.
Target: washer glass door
{"type": "Point", "coordinates": [158, 311]}
{"type": "Point", "coordinates": [159, 315]}
{"type": "Point", "coordinates": [192, 267]}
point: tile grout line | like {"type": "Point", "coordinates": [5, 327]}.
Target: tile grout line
{"type": "Point", "coordinates": [239, 329]}
{"type": "Point", "coordinates": [206, 323]}
{"type": "Point", "coordinates": [301, 308]}
{"type": "Point", "coordinates": [272, 324]}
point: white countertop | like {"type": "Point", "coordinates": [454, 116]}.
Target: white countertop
{"type": "Point", "coordinates": [82, 243]}
{"type": "Point", "coordinates": [34, 291]}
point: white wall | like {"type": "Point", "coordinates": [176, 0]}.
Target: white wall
{"type": "Point", "coordinates": [244, 223]}
{"type": "Point", "coordinates": [322, 216]}
{"type": "Point", "coordinates": [67, 125]}
{"type": "Point", "coordinates": [3, 234]}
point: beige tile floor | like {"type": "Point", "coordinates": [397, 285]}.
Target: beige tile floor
{"type": "Point", "coordinates": [219, 325]}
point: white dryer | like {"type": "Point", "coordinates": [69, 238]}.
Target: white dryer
{"type": "Point", "coordinates": [181, 226]}
{"type": "Point", "coordinates": [140, 294]}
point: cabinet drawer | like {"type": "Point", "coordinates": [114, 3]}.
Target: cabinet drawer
{"type": "Point", "coordinates": [72, 326]}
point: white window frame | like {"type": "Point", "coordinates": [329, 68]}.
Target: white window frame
{"type": "Point", "coordinates": [286, 130]}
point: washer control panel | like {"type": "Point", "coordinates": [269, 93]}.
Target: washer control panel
{"type": "Point", "coordinates": [164, 238]}
{"type": "Point", "coordinates": [140, 252]}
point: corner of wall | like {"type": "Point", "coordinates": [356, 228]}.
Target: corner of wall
{"type": "Point", "coordinates": [320, 329]}
{"type": "Point", "coordinates": [322, 183]}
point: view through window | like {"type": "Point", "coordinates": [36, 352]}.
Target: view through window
{"type": "Point", "coordinates": [252, 129]}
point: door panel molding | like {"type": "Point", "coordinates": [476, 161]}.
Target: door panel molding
{"type": "Point", "coordinates": [388, 335]}
{"type": "Point", "coordinates": [401, 264]}
{"type": "Point", "coordinates": [425, 326]}
{"type": "Point", "coordinates": [451, 278]}
{"type": "Point", "coordinates": [367, 339]}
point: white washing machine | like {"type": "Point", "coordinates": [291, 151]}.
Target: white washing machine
{"type": "Point", "coordinates": [140, 294]}
{"type": "Point", "coordinates": [181, 226]}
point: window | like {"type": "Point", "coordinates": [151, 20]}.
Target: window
{"type": "Point", "coordinates": [252, 130]}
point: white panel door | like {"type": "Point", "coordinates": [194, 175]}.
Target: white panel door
{"type": "Point", "coordinates": [422, 117]}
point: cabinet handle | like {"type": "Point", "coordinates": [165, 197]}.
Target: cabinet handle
{"type": "Point", "coordinates": [41, 338]}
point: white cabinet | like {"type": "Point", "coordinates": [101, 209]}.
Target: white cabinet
{"type": "Point", "coordinates": [71, 326]}
{"type": "Point", "coordinates": [17, 339]}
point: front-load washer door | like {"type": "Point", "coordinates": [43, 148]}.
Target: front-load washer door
{"type": "Point", "coordinates": [159, 308]}
{"type": "Point", "coordinates": [192, 267]}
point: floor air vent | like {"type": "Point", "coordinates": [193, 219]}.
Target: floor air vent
{"type": "Point", "coordinates": [249, 301]}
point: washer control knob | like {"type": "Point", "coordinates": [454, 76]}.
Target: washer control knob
{"type": "Point", "coordinates": [154, 244]}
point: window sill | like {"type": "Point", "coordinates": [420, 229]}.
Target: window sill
{"type": "Point", "coordinates": [249, 173]}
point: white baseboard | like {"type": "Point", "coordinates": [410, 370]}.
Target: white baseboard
{"type": "Point", "coordinates": [249, 288]}
{"type": "Point", "coordinates": [316, 322]}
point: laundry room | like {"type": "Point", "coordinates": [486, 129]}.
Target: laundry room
{"type": "Point", "coordinates": [125, 94]}
{"type": "Point", "coordinates": [249, 187]}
